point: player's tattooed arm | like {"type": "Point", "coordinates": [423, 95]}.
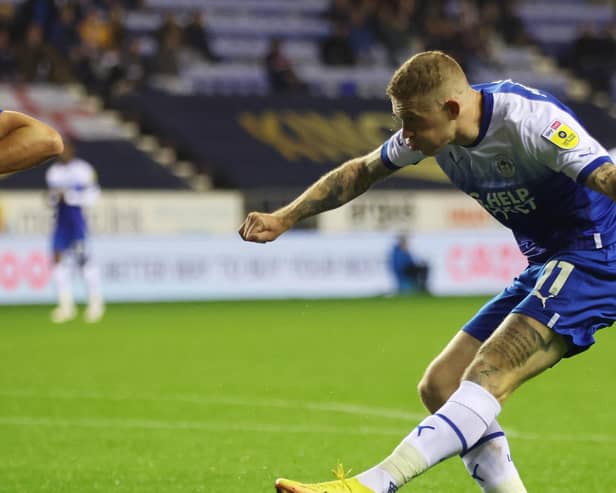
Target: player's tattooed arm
{"type": "Point", "coordinates": [603, 179]}
{"type": "Point", "coordinates": [334, 189]}
{"type": "Point", "coordinates": [337, 187]}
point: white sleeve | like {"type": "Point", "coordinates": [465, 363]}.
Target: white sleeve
{"type": "Point", "coordinates": [53, 178]}
{"type": "Point", "coordinates": [558, 140]}
{"type": "Point", "coordinates": [85, 190]}
{"type": "Point", "coordinates": [395, 154]}
{"type": "Point", "coordinates": [54, 191]}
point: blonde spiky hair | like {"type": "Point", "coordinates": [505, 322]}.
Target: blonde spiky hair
{"type": "Point", "coordinates": [424, 73]}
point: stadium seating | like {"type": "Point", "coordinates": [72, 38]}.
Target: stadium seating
{"type": "Point", "coordinates": [100, 137]}
{"type": "Point", "coordinates": [240, 31]}
{"type": "Point", "coordinates": [556, 23]}
{"type": "Point", "coordinates": [303, 7]}
{"type": "Point", "coordinates": [231, 137]}
{"type": "Point", "coordinates": [119, 165]}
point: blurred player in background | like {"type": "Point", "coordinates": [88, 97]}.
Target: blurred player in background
{"type": "Point", "coordinates": [72, 186]}
{"type": "Point", "coordinates": [25, 142]}
{"type": "Point", "coordinates": [526, 159]}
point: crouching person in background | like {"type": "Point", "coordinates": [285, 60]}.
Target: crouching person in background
{"type": "Point", "coordinates": [411, 274]}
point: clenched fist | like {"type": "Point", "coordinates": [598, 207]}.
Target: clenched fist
{"type": "Point", "coordinates": [261, 228]}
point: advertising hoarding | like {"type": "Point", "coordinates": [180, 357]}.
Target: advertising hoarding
{"type": "Point", "coordinates": [298, 265]}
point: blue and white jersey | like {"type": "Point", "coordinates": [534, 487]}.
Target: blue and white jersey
{"type": "Point", "coordinates": [72, 185]}
{"type": "Point", "coordinates": [527, 168]}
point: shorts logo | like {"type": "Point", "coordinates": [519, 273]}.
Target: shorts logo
{"type": "Point", "coordinates": [561, 135]}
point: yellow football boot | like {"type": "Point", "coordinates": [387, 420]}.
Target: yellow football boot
{"type": "Point", "coordinates": [340, 485]}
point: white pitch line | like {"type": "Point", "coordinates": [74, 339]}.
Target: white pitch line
{"type": "Point", "coordinates": [188, 425]}
{"type": "Point", "coordinates": [593, 438]}
{"type": "Point", "coordinates": [339, 407]}
{"type": "Point", "coordinates": [149, 424]}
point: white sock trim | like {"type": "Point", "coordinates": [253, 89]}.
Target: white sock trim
{"type": "Point", "coordinates": [474, 397]}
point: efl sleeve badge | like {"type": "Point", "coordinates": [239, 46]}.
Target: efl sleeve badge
{"type": "Point", "coordinates": [561, 135]}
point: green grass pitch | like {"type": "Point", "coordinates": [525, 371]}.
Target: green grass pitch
{"type": "Point", "coordinates": [227, 396]}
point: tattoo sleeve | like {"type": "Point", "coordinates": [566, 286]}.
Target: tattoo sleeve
{"type": "Point", "coordinates": [603, 179]}
{"type": "Point", "coordinates": [521, 342]}
{"type": "Point", "coordinates": [336, 188]}
{"type": "Point", "coordinates": [520, 349]}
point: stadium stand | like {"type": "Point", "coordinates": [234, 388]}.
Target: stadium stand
{"type": "Point", "coordinates": [241, 31]}
{"type": "Point", "coordinates": [490, 37]}
{"type": "Point", "coordinates": [580, 34]}
{"type": "Point", "coordinates": [101, 138]}
{"type": "Point", "coordinates": [251, 143]}
{"type": "Point", "coordinates": [554, 24]}
{"type": "Point", "coordinates": [119, 164]}
{"type": "Point", "coordinates": [248, 143]}
{"type": "Point", "coordinates": [164, 63]}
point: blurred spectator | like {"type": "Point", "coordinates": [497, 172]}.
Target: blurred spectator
{"type": "Point", "coordinates": [39, 12]}
{"type": "Point", "coordinates": [511, 26]}
{"type": "Point", "coordinates": [410, 274]}
{"type": "Point", "coordinates": [37, 61]}
{"type": "Point", "coordinates": [395, 29]}
{"type": "Point", "coordinates": [336, 48]}
{"type": "Point", "coordinates": [361, 34]}
{"type": "Point", "coordinates": [130, 73]}
{"type": "Point", "coordinates": [33, 59]}
{"type": "Point", "coordinates": [196, 37]}
{"type": "Point", "coordinates": [339, 11]}
{"type": "Point", "coordinates": [102, 34]}
{"type": "Point", "coordinates": [133, 4]}
{"type": "Point", "coordinates": [166, 61]}
{"type": "Point", "coordinates": [592, 57]}
{"type": "Point", "coordinates": [485, 45]}
{"type": "Point", "coordinates": [8, 63]}
{"type": "Point", "coordinates": [63, 33]}
{"type": "Point", "coordinates": [95, 31]}
{"type": "Point", "coordinates": [86, 40]}
{"type": "Point", "coordinates": [483, 37]}
{"type": "Point", "coordinates": [465, 13]}
{"type": "Point", "coordinates": [280, 73]}
{"type": "Point", "coordinates": [116, 26]}
{"type": "Point", "coordinates": [441, 32]}
{"type": "Point", "coordinates": [168, 26]}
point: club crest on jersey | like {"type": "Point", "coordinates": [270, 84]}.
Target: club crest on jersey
{"type": "Point", "coordinates": [561, 135]}
{"type": "Point", "coordinates": [504, 166]}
